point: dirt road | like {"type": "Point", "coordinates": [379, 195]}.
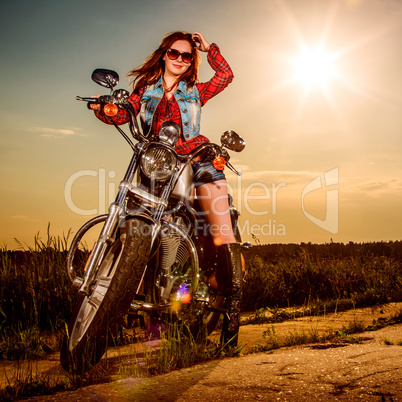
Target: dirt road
{"type": "Point", "coordinates": [370, 371]}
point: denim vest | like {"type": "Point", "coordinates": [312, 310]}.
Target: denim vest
{"type": "Point", "coordinates": [187, 99]}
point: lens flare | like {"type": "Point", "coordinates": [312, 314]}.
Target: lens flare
{"type": "Point", "coordinates": [183, 295]}
{"type": "Point", "coordinates": [185, 298]}
{"type": "Point", "coordinates": [175, 306]}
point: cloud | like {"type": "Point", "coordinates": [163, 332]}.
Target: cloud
{"type": "Point", "coordinates": [375, 187]}
{"type": "Point", "coordinates": [49, 132]}
{"type": "Point", "coordinates": [288, 176]}
{"type": "Point", "coordinates": [380, 185]}
{"type": "Point", "coordinates": [267, 183]}
{"type": "Point", "coordinates": [351, 187]}
{"type": "Point", "coordinates": [24, 218]}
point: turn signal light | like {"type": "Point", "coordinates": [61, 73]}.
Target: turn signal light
{"type": "Point", "coordinates": [219, 163]}
{"type": "Point", "coordinates": [110, 109]}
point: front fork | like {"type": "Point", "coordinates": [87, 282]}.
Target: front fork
{"type": "Point", "coordinates": [116, 210]}
{"type": "Point", "coordinates": [109, 228]}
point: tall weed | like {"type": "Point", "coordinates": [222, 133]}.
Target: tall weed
{"type": "Point", "coordinates": [36, 295]}
{"type": "Point", "coordinates": [358, 280]}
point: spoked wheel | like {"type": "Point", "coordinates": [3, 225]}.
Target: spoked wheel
{"type": "Point", "coordinates": [112, 292]}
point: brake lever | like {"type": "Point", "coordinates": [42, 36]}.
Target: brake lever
{"type": "Point", "coordinates": [229, 165]}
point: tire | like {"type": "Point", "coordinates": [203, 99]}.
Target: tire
{"type": "Point", "coordinates": [117, 280]}
{"type": "Point", "coordinates": [211, 320]}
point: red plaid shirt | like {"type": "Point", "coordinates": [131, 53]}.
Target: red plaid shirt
{"type": "Point", "coordinates": [168, 109]}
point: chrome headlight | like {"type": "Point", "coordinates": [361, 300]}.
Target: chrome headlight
{"type": "Point", "coordinates": [158, 163]}
{"type": "Point", "coordinates": [169, 132]}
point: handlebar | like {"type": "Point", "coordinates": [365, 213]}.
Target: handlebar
{"type": "Point", "coordinates": [119, 98]}
{"type": "Point", "coordinates": [100, 99]}
{"type": "Point", "coordinates": [122, 102]}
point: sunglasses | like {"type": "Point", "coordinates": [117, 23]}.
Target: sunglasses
{"type": "Point", "coordinates": [174, 54]}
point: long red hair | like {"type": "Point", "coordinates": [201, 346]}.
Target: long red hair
{"type": "Point", "coordinates": [154, 66]}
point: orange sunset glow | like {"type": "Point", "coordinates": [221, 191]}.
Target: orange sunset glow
{"type": "Point", "coordinates": [316, 96]}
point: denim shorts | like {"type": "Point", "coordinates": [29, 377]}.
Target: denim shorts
{"type": "Point", "coordinates": [204, 172]}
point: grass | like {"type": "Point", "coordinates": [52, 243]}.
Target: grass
{"type": "Point", "coordinates": [36, 300]}
{"type": "Point", "coordinates": [387, 341]}
{"type": "Point", "coordinates": [29, 343]}
{"type": "Point", "coordinates": [36, 297]}
{"type": "Point", "coordinates": [331, 282]}
{"type": "Point", "coordinates": [311, 335]}
{"type": "Point", "coordinates": [27, 381]}
{"type": "Point", "coordinates": [178, 349]}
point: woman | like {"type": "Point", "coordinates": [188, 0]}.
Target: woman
{"type": "Point", "coordinates": [166, 88]}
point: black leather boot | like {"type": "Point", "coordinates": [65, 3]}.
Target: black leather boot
{"type": "Point", "coordinates": [230, 278]}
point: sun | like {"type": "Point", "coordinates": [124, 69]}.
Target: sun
{"type": "Point", "coordinates": [314, 68]}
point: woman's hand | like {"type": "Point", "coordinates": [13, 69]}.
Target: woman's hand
{"type": "Point", "coordinates": [95, 106]}
{"type": "Point", "coordinates": [202, 43]}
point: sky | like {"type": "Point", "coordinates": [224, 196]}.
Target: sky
{"type": "Point", "coordinates": [317, 97]}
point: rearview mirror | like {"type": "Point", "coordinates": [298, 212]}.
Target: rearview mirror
{"type": "Point", "coordinates": [232, 141]}
{"type": "Point", "coordinates": [105, 78]}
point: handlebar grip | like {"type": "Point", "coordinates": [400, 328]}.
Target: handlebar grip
{"type": "Point", "coordinates": [91, 100]}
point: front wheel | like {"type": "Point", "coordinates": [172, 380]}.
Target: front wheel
{"type": "Point", "coordinates": [115, 285]}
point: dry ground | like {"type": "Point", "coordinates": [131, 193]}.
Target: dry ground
{"type": "Point", "coordinates": [370, 371]}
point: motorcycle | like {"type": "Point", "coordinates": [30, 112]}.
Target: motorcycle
{"type": "Point", "coordinates": [155, 252]}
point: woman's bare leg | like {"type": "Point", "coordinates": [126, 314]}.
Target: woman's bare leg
{"type": "Point", "coordinates": [213, 199]}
